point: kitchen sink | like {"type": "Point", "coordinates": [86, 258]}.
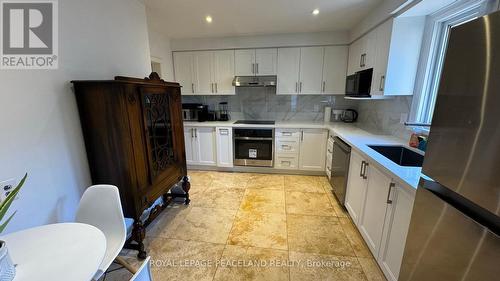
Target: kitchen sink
{"type": "Point", "coordinates": [400, 155]}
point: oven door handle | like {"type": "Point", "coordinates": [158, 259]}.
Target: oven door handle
{"type": "Point", "coordinates": [252, 138]}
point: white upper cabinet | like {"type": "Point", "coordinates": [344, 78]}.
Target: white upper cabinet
{"type": "Point", "coordinates": [205, 72]}
{"type": "Point", "coordinates": [251, 62]}
{"type": "Point", "coordinates": [334, 70]}
{"type": "Point", "coordinates": [311, 70]}
{"type": "Point", "coordinates": [392, 49]}
{"type": "Point", "coordinates": [288, 71]}
{"type": "Point", "coordinates": [202, 73]}
{"type": "Point", "coordinates": [312, 149]}
{"type": "Point", "coordinates": [223, 72]}
{"type": "Point", "coordinates": [266, 61]}
{"type": "Point", "coordinates": [244, 62]}
{"type": "Point", "coordinates": [183, 66]}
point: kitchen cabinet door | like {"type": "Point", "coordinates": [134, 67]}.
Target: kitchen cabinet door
{"type": "Point", "coordinates": [183, 71]}
{"type": "Point", "coordinates": [244, 62]}
{"type": "Point", "coordinates": [204, 139]}
{"type": "Point", "coordinates": [354, 61]}
{"type": "Point", "coordinates": [266, 61]}
{"type": "Point", "coordinates": [202, 73]}
{"type": "Point", "coordinates": [288, 71]}
{"type": "Point", "coordinates": [224, 141]}
{"type": "Point", "coordinates": [312, 149]}
{"type": "Point", "coordinates": [334, 70]}
{"type": "Point", "coordinates": [382, 44]}
{"type": "Point", "coordinates": [356, 187]}
{"type": "Point", "coordinates": [311, 70]}
{"type": "Point", "coordinates": [396, 226]}
{"type": "Point", "coordinates": [223, 68]}
{"type": "Point", "coordinates": [368, 49]}
{"type": "Point", "coordinates": [191, 154]}
{"type": "Point", "coordinates": [373, 216]}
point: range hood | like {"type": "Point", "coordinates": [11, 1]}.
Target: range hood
{"type": "Point", "coordinates": [255, 81]}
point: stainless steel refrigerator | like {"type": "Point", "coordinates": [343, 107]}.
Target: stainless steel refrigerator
{"type": "Point", "coordinates": [455, 224]}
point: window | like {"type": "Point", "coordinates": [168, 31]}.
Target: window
{"type": "Point", "coordinates": [437, 30]}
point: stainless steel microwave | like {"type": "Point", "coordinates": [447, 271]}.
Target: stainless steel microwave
{"type": "Point", "coordinates": [359, 83]}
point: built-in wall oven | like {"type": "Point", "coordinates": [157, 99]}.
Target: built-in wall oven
{"type": "Point", "coordinates": [253, 147]}
{"type": "Point", "coordinates": [340, 168]}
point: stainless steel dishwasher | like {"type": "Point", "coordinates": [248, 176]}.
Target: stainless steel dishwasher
{"type": "Point", "coordinates": [340, 168]}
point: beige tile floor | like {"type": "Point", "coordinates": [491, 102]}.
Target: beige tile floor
{"type": "Point", "coordinates": [243, 226]}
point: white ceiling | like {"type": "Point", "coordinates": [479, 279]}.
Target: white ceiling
{"type": "Point", "coordinates": [186, 18]}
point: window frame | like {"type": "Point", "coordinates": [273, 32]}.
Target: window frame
{"type": "Point", "coordinates": [437, 28]}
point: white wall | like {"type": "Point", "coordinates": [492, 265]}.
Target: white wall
{"type": "Point", "coordinates": [160, 50]}
{"type": "Point", "coordinates": [378, 15]}
{"type": "Point", "coordinates": [260, 41]}
{"type": "Point", "coordinates": [39, 124]}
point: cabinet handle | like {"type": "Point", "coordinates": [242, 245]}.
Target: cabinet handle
{"type": "Point", "coordinates": [288, 134]}
{"type": "Point", "coordinates": [364, 171]}
{"type": "Point", "coordinates": [288, 162]}
{"type": "Point", "coordinates": [296, 87]}
{"type": "Point", "coordinates": [256, 68]}
{"type": "Point", "coordinates": [382, 82]}
{"type": "Point", "coordinates": [389, 201]}
{"type": "Point", "coordinates": [361, 60]}
{"type": "Point", "coordinates": [302, 136]}
{"type": "Point", "coordinates": [216, 88]}
{"type": "Point", "coordinates": [323, 88]}
{"type": "Point", "coordinates": [253, 68]}
{"type": "Point", "coordinates": [300, 87]}
{"type": "Point", "coordinates": [361, 169]}
{"type": "Point", "coordinates": [192, 87]}
{"type": "Point", "coordinates": [224, 132]}
{"type": "Point", "coordinates": [329, 151]}
{"type": "Point", "coordinates": [196, 133]}
{"type": "Point", "coordinates": [192, 133]}
{"type": "Point", "coordinates": [212, 87]}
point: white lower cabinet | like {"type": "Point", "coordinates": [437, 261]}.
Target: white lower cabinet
{"type": "Point", "coordinates": [371, 222]}
{"type": "Point", "coordinates": [312, 149]}
{"type": "Point", "coordinates": [200, 146]}
{"type": "Point", "coordinates": [356, 187]}
{"type": "Point", "coordinates": [381, 209]}
{"type": "Point", "coordinates": [224, 140]}
{"type": "Point", "coordinates": [397, 222]}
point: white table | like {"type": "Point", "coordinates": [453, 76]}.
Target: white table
{"type": "Point", "coordinates": [56, 252]}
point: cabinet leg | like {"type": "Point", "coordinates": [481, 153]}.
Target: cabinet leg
{"type": "Point", "coordinates": [186, 186]}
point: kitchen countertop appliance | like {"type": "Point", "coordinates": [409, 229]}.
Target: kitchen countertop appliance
{"type": "Point", "coordinates": [223, 113]}
{"type": "Point", "coordinates": [340, 168]}
{"type": "Point", "coordinates": [358, 85]}
{"type": "Point", "coordinates": [253, 146]}
{"type": "Point", "coordinates": [194, 112]}
{"type": "Point", "coordinates": [454, 232]}
{"type": "Point", "coordinates": [349, 116]}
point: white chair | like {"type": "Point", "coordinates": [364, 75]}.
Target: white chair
{"type": "Point", "coordinates": [101, 207]}
{"type": "Point", "coordinates": [144, 272]}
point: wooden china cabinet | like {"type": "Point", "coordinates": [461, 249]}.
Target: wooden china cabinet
{"type": "Point", "coordinates": [135, 140]}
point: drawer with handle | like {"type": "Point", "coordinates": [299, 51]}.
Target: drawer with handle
{"type": "Point", "coordinates": [287, 146]}
{"type": "Point", "coordinates": [287, 134]}
{"type": "Point", "coordinates": [287, 162]}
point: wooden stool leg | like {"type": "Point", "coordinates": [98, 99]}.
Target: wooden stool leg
{"type": "Point", "coordinates": [125, 264]}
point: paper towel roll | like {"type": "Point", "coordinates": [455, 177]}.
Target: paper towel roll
{"type": "Point", "coordinates": [328, 113]}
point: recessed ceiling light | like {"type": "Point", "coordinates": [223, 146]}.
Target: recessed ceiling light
{"type": "Point", "coordinates": [208, 19]}
{"type": "Point", "coordinates": [315, 12]}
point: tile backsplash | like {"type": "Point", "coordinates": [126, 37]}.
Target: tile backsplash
{"type": "Point", "coordinates": [264, 104]}
{"type": "Point", "coordinates": [384, 116]}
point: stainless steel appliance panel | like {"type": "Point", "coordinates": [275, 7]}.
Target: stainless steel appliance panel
{"type": "Point", "coordinates": [340, 168]}
{"type": "Point", "coordinates": [445, 244]}
{"type": "Point", "coordinates": [253, 147]}
{"type": "Point", "coordinates": [463, 152]}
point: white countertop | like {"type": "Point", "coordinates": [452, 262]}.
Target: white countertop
{"type": "Point", "coordinates": [357, 138]}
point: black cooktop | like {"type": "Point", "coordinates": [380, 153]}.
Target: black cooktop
{"type": "Point", "coordinates": [255, 122]}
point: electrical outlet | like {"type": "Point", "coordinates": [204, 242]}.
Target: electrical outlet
{"type": "Point", "coordinates": [6, 188]}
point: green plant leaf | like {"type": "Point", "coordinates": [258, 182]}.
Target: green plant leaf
{"type": "Point", "coordinates": [3, 225]}
{"type": "Point", "coordinates": [10, 198]}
